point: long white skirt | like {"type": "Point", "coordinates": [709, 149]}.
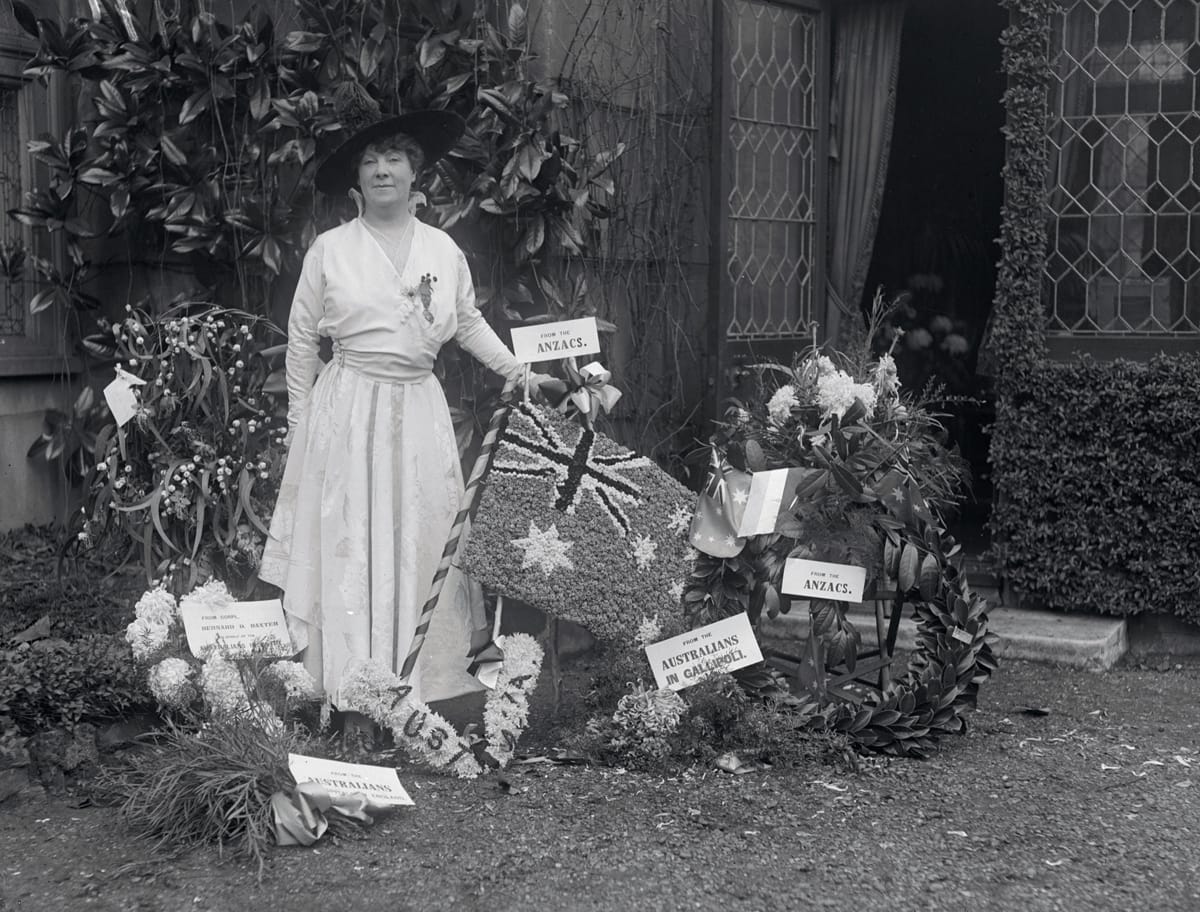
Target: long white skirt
{"type": "Point", "coordinates": [368, 496]}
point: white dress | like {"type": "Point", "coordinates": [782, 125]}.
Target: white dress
{"type": "Point", "coordinates": [372, 481]}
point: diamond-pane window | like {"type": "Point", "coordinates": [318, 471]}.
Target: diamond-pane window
{"type": "Point", "coordinates": [13, 295]}
{"type": "Point", "coordinates": [1123, 188]}
{"type": "Point", "coordinates": [773, 132]}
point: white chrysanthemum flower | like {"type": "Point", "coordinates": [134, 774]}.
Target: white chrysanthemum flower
{"type": "Point", "coordinates": [156, 606]}
{"type": "Point", "coordinates": [222, 687]}
{"type": "Point", "coordinates": [825, 366]}
{"type": "Point", "coordinates": [171, 683]}
{"type": "Point", "coordinates": [644, 551]}
{"type": "Point", "coordinates": [887, 380]}
{"type": "Point", "coordinates": [297, 683]}
{"type": "Point", "coordinates": [837, 392]}
{"type": "Point", "coordinates": [146, 637]}
{"type": "Point", "coordinates": [650, 712]}
{"type": "Point", "coordinates": [780, 405]}
{"type": "Point", "coordinates": [213, 594]}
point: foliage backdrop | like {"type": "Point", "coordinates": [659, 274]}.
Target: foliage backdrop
{"type": "Point", "coordinates": [1100, 511]}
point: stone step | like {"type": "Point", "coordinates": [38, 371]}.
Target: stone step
{"type": "Point", "coordinates": [1077, 640]}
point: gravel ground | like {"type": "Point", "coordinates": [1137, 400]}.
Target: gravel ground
{"type": "Point", "coordinates": [1071, 791]}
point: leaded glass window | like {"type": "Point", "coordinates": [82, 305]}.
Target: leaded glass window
{"type": "Point", "coordinates": [13, 295]}
{"type": "Point", "coordinates": [773, 133]}
{"type": "Point", "coordinates": [1124, 177]}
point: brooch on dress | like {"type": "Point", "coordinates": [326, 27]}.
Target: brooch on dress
{"type": "Point", "coordinates": [425, 291]}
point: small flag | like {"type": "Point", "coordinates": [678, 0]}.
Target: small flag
{"type": "Point", "coordinates": [772, 496]}
{"type": "Point", "coordinates": [720, 508]}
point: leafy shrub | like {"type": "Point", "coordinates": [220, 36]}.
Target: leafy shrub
{"type": "Point", "coordinates": [59, 683]}
{"type": "Point", "coordinates": [1101, 500]}
{"type": "Point", "coordinates": [193, 477]}
{"type": "Point", "coordinates": [206, 134]}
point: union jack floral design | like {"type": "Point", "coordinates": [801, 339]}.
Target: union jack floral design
{"type": "Point", "coordinates": [580, 527]}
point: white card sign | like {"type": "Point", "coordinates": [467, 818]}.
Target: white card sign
{"type": "Point", "coordinates": [817, 579]}
{"type": "Point", "coordinates": [689, 658]}
{"type": "Point", "coordinates": [380, 784]}
{"type": "Point", "coordinates": [121, 398]}
{"type": "Point", "coordinates": [551, 341]}
{"type": "Point", "coordinates": [238, 627]}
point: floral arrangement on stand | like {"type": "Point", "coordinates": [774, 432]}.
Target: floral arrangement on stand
{"type": "Point", "coordinates": [876, 484]}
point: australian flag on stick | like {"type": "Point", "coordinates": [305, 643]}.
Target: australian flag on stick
{"type": "Point", "coordinates": [719, 511]}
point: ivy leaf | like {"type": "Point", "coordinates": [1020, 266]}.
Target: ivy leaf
{"type": "Point", "coordinates": [535, 235]}
{"type": "Point", "coordinates": [517, 22]}
{"type": "Point", "coordinates": [529, 161]}
{"type": "Point", "coordinates": [173, 153]}
{"type": "Point", "coordinates": [43, 300]}
{"type": "Point", "coordinates": [195, 105]}
{"type": "Point", "coordinates": [260, 97]}
{"type": "Point", "coordinates": [929, 577]}
{"type": "Point", "coordinates": [118, 202]}
{"type": "Point", "coordinates": [909, 567]}
{"type": "Point", "coordinates": [97, 176]}
{"type": "Point", "coordinates": [303, 42]}
{"type": "Point", "coordinates": [25, 18]}
{"type": "Point", "coordinates": [454, 83]}
{"type": "Point", "coordinates": [430, 52]}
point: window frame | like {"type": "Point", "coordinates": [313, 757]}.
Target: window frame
{"type": "Point", "coordinates": [43, 349]}
{"type": "Point", "coordinates": [1063, 342]}
{"type": "Point", "coordinates": [729, 352]}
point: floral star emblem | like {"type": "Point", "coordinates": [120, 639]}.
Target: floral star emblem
{"type": "Point", "coordinates": [644, 551]}
{"type": "Point", "coordinates": [544, 549]}
{"type": "Point", "coordinates": [680, 519]}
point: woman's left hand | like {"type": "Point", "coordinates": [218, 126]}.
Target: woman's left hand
{"type": "Point", "coordinates": [535, 382]}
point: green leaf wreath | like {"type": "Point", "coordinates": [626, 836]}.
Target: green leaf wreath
{"type": "Point", "coordinates": [880, 481]}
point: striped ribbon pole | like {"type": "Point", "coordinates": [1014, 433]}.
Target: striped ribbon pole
{"type": "Point", "coordinates": [470, 502]}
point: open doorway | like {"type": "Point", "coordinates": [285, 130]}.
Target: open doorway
{"type": "Point", "coordinates": [940, 218]}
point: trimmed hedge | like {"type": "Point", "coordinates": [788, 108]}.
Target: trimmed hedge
{"type": "Point", "coordinates": [1098, 465]}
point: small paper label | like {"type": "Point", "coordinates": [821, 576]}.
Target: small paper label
{"type": "Point", "coordinates": [689, 658]}
{"type": "Point", "coordinates": [381, 785]}
{"type": "Point", "coordinates": [811, 579]}
{"type": "Point", "coordinates": [122, 400]}
{"type": "Point", "coordinates": [961, 635]}
{"type": "Point", "coordinates": [552, 341]}
{"type": "Point", "coordinates": [238, 628]}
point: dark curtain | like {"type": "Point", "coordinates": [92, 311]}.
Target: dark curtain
{"type": "Point", "coordinates": [866, 66]}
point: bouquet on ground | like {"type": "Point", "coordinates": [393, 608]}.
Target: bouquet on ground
{"type": "Point", "coordinates": [222, 683]}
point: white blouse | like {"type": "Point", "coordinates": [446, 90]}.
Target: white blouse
{"type": "Point", "coordinates": [350, 291]}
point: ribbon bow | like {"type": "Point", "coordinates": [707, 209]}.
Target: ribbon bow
{"type": "Point", "coordinates": [299, 817]}
{"type": "Point", "coordinates": [586, 390]}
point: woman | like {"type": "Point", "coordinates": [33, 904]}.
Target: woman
{"type": "Point", "coordinates": [372, 481]}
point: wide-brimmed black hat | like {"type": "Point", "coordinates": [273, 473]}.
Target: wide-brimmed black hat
{"type": "Point", "coordinates": [435, 132]}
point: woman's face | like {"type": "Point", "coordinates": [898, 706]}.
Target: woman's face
{"type": "Point", "coordinates": [384, 178]}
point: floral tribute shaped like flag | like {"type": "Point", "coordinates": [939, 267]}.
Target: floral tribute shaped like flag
{"type": "Point", "coordinates": [575, 524]}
